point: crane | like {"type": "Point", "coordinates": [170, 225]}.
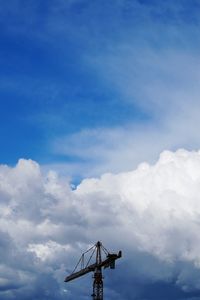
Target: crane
{"type": "Point", "coordinates": [96, 267]}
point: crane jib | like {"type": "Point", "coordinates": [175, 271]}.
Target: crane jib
{"type": "Point", "coordinates": [109, 262]}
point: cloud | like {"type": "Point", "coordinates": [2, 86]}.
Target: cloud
{"type": "Point", "coordinates": [92, 152]}
{"type": "Point", "coordinates": [151, 213]}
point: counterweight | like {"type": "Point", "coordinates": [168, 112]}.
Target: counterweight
{"type": "Point", "coordinates": [97, 250]}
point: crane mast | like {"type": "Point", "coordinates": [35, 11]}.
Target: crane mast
{"type": "Point", "coordinates": [95, 267]}
{"type": "Point", "coordinates": [98, 278]}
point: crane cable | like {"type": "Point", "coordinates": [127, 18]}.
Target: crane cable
{"type": "Point", "coordinates": [81, 260]}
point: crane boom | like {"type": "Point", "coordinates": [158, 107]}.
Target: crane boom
{"type": "Point", "coordinates": [109, 262]}
{"type": "Point", "coordinates": [96, 267]}
{"type": "Point", "coordinates": [80, 273]}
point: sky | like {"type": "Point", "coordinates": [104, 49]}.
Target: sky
{"type": "Point", "coordinates": [99, 127]}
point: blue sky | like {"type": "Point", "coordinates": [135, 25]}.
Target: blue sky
{"type": "Point", "coordinates": [48, 89]}
{"type": "Point", "coordinates": [89, 87]}
{"type": "Point", "coordinates": [74, 66]}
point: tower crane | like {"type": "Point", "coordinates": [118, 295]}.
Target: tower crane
{"type": "Point", "coordinates": [96, 251]}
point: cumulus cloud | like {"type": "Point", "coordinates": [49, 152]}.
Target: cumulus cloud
{"type": "Point", "coordinates": [151, 213]}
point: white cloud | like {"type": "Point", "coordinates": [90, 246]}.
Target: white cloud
{"type": "Point", "coordinates": [151, 213]}
{"type": "Point", "coordinates": [121, 149]}
{"type": "Point", "coordinates": [47, 251]}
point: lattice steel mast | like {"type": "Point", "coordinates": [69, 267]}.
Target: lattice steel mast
{"type": "Point", "coordinates": [96, 267]}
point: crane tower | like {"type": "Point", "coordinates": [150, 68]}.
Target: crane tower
{"type": "Point", "coordinates": [96, 251]}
